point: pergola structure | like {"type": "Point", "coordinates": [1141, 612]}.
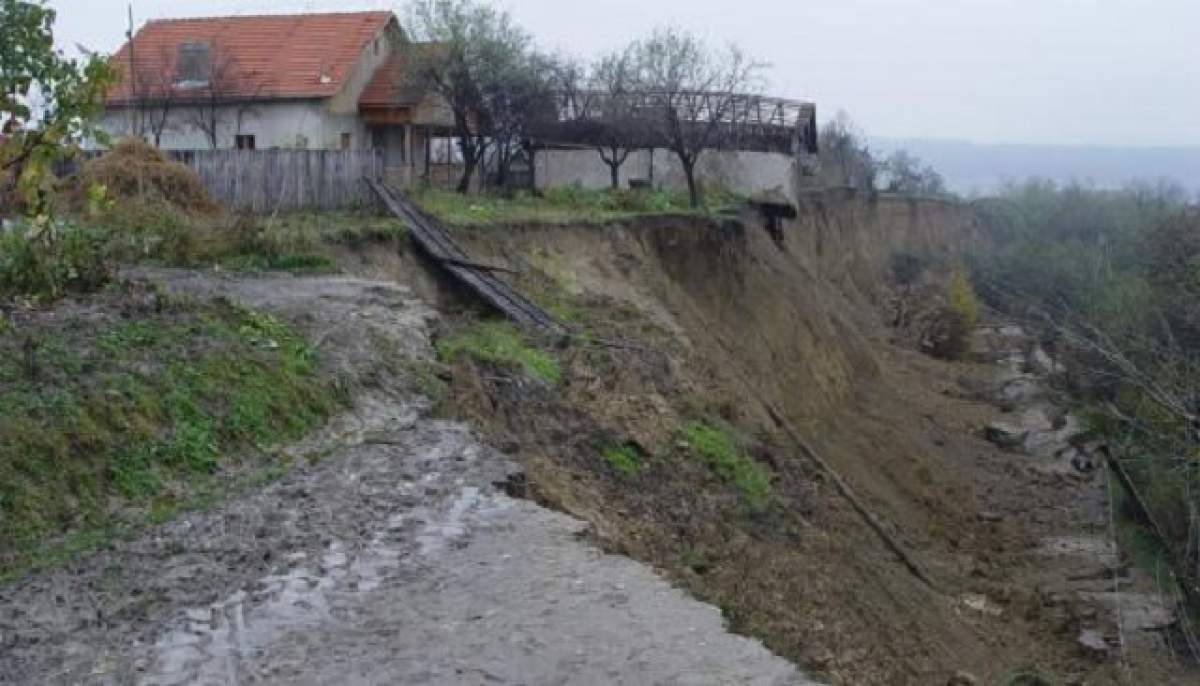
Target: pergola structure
{"type": "Point", "coordinates": [745, 122]}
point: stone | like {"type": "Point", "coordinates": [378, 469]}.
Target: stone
{"type": "Point", "coordinates": [1082, 461]}
{"type": "Point", "coordinates": [1037, 419]}
{"type": "Point", "coordinates": [963, 679]}
{"type": "Point", "coordinates": [1093, 644]}
{"type": "Point", "coordinates": [1039, 362]}
{"type": "Point", "coordinates": [1005, 435]}
{"type": "Point", "coordinates": [1021, 389]}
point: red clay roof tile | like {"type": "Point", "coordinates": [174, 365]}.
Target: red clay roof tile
{"type": "Point", "coordinates": [267, 56]}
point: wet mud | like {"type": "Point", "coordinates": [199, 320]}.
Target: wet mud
{"type": "Point", "coordinates": [390, 554]}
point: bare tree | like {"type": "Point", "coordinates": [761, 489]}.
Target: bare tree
{"type": "Point", "coordinates": [843, 146]}
{"type": "Point", "coordinates": [218, 92]}
{"type": "Point", "coordinates": [475, 51]}
{"type": "Point", "coordinates": [690, 93]}
{"type": "Point", "coordinates": [614, 86]}
{"type": "Point", "coordinates": [153, 94]}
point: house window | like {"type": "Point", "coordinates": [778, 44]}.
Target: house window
{"type": "Point", "coordinates": [193, 68]}
{"type": "Point", "coordinates": [376, 47]}
{"type": "Point", "coordinates": [445, 151]}
{"type": "Point", "coordinates": [243, 142]}
{"type": "Point", "coordinates": [347, 141]}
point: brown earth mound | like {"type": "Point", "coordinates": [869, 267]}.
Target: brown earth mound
{"type": "Point", "coordinates": [135, 170]}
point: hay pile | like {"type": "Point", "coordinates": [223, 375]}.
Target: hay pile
{"type": "Point", "coordinates": [134, 170]}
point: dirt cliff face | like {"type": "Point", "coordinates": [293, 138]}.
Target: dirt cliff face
{"type": "Point", "coordinates": [784, 342]}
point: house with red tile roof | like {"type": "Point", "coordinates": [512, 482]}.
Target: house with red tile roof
{"type": "Point", "coordinates": [338, 81]}
{"type": "Point", "coordinates": [300, 81]}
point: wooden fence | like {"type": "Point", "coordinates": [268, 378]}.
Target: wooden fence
{"type": "Point", "coordinates": [265, 181]}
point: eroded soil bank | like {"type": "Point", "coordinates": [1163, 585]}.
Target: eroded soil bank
{"type": "Point", "coordinates": [725, 395]}
{"type": "Point", "coordinates": [390, 553]}
{"type": "Point", "coordinates": [790, 346]}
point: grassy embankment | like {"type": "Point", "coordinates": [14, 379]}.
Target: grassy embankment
{"type": "Point", "coordinates": [120, 408]}
{"type": "Point", "coordinates": [567, 204]}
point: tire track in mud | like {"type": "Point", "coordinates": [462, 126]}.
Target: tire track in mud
{"type": "Point", "coordinates": [396, 559]}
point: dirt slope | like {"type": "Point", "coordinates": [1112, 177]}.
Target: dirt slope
{"type": "Point", "coordinates": [782, 340]}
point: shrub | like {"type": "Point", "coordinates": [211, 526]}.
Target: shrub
{"type": "Point", "coordinates": [155, 229]}
{"type": "Point", "coordinates": [954, 325]}
{"type": "Point", "coordinates": [45, 260]}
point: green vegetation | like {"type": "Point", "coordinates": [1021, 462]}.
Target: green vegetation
{"type": "Point", "coordinates": [1027, 677]}
{"type": "Point", "coordinates": [159, 232]}
{"type": "Point", "coordinates": [625, 459]}
{"type": "Point", "coordinates": [69, 94]}
{"type": "Point", "coordinates": [722, 452]}
{"type": "Point", "coordinates": [562, 205]}
{"type": "Point", "coordinates": [1113, 278]}
{"type": "Point", "coordinates": [500, 342]}
{"type": "Point", "coordinates": [105, 416]}
{"type": "Point", "coordinates": [956, 320]}
{"type": "Point", "coordinates": [45, 262]}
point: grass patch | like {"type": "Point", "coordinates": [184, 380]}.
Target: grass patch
{"type": "Point", "coordinates": [156, 232]}
{"type": "Point", "coordinates": [137, 415]}
{"type": "Point", "coordinates": [625, 459]}
{"type": "Point", "coordinates": [502, 343]}
{"type": "Point", "coordinates": [562, 205]}
{"type": "Point", "coordinates": [722, 452]}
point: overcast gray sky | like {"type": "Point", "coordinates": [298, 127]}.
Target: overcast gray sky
{"type": "Point", "coordinates": [1122, 72]}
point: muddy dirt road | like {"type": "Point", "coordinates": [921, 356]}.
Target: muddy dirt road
{"type": "Point", "coordinates": [390, 554]}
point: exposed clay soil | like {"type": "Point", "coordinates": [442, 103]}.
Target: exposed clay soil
{"type": "Point", "coordinates": [397, 559]}
{"type": "Point", "coordinates": [780, 341]}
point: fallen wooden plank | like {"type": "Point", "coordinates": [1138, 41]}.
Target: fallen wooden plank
{"type": "Point", "coordinates": [433, 240]}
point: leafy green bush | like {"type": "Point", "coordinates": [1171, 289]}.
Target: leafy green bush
{"type": "Point", "coordinates": [44, 261]}
{"type": "Point", "coordinates": [954, 324]}
{"type": "Point", "coordinates": [721, 451]}
{"type": "Point", "coordinates": [156, 229]}
{"type": "Point", "coordinates": [502, 343]}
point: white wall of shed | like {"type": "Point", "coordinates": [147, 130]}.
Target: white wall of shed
{"type": "Point", "coordinates": [747, 173]}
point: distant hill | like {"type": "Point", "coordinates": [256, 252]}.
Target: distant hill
{"type": "Point", "coordinates": [978, 167]}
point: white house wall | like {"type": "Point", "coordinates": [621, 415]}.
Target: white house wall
{"type": "Point", "coordinates": [292, 124]}
{"type": "Point", "coordinates": [372, 57]}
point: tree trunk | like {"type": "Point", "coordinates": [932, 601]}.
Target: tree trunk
{"type": "Point", "coordinates": [615, 170]}
{"type": "Point", "coordinates": [689, 173]}
{"type": "Point", "coordinates": [464, 183]}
